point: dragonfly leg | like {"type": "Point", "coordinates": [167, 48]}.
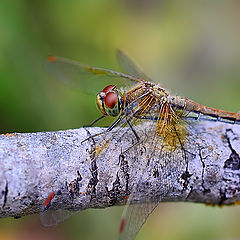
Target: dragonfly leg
{"type": "Point", "coordinates": [133, 130]}
{"type": "Point", "coordinates": [148, 118]}
{"type": "Point", "coordinates": [108, 129]}
{"type": "Point", "coordinates": [121, 156]}
{"type": "Point", "coordinates": [96, 120]}
{"type": "Point", "coordinates": [134, 145]}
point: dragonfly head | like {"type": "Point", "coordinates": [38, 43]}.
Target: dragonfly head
{"type": "Point", "coordinates": [109, 101]}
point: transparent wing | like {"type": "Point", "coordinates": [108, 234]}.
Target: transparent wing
{"type": "Point", "coordinates": [164, 141]}
{"type": "Point", "coordinates": [86, 78]}
{"type": "Point", "coordinates": [136, 214]}
{"type": "Point", "coordinates": [128, 66]}
{"type": "Point", "coordinates": [133, 218]}
{"type": "Point", "coordinates": [54, 217]}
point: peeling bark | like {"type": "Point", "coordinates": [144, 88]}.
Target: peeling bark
{"type": "Point", "coordinates": [90, 175]}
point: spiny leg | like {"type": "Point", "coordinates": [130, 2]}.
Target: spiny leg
{"type": "Point", "coordinates": [114, 124]}
{"type": "Point", "coordinates": [135, 144]}
{"type": "Point", "coordinates": [93, 122]}
{"type": "Point", "coordinates": [142, 106]}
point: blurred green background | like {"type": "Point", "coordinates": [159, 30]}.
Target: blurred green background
{"type": "Point", "coordinates": [190, 47]}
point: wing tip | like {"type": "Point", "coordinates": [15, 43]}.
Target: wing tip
{"type": "Point", "coordinates": [51, 59]}
{"type": "Point", "coordinates": [122, 225]}
{"type": "Point", "coordinates": [119, 50]}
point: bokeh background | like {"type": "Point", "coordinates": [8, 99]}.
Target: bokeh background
{"type": "Point", "coordinates": [190, 47]}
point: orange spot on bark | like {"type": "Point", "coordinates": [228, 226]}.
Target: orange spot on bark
{"type": "Point", "coordinates": [49, 199]}
{"type": "Point", "coordinates": [51, 59]}
{"type": "Point", "coordinates": [237, 202]}
{"type": "Point", "coordinates": [7, 134]}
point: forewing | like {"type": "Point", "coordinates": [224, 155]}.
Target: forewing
{"type": "Point", "coordinates": [86, 78]}
{"type": "Point", "coordinates": [128, 66]}
{"type": "Point", "coordinates": [54, 217]}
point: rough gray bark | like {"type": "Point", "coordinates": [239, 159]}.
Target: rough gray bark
{"type": "Point", "coordinates": [89, 174]}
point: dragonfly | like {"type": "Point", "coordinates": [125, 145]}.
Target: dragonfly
{"type": "Point", "coordinates": [133, 98]}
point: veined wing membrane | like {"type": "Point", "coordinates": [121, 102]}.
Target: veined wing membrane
{"type": "Point", "coordinates": [87, 78]}
{"type": "Point", "coordinates": [134, 217]}
{"type": "Point", "coordinates": [54, 217]}
{"type": "Point", "coordinates": [164, 141]}
{"type": "Point", "coordinates": [128, 66]}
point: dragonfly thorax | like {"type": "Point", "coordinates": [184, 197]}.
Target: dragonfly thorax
{"type": "Point", "coordinates": [109, 101]}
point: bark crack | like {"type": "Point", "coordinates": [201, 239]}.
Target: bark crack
{"type": "Point", "coordinates": [114, 192]}
{"type": "Point", "coordinates": [5, 194]}
{"type": "Point", "coordinates": [74, 186]}
{"type": "Point", "coordinates": [231, 166]}
{"type": "Point", "coordinates": [185, 177]}
{"type": "Point", "coordinates": [205, 190]}
{"type": "Point", "coordinates": [234, 160]}
{"type": "Point", "coordinates": [92, 185]}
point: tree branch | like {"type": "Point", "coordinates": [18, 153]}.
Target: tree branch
{"type": "Point", "coordinates": [89, 175]}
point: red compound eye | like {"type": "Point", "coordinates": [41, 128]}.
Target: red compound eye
{"type": "Point", "coordinates": [111, 99]}
{"type": "Point", "coordinates": [108, 88]}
